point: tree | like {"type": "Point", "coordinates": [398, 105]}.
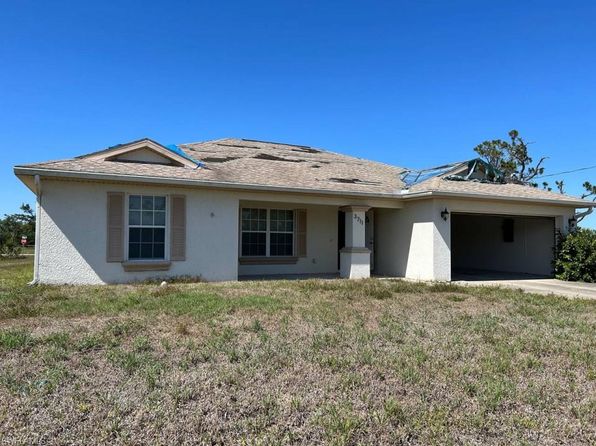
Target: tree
{"type": "Point", "coordinates": [14, 226]}
{"type": "Point", "coordinates": [590, 191]}
{"type": "Point", "coordinates": [511, 158]}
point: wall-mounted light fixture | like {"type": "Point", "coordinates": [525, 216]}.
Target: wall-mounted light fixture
{"type": "Point", "coordinates": [445, 214]}
{"type": "Point", "coordinates": [572, 224]}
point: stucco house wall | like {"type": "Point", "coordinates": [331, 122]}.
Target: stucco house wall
{"type": "Point", "coordinates": [73, 234]}
{"type": "Point", "coordinates": [413, 242]}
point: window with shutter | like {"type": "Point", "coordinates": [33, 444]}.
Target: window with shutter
{"type": "Point", "coordinates": [146, 227]}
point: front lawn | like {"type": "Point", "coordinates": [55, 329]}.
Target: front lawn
{"type": "Point", "coordinates": [293, 362]}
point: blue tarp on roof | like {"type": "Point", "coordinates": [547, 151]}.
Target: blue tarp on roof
{"type": "Point", "coordinates": [477, 170]}
{"type": "Point", "coordinates": [412, 177]}
{"type": "Point", "coordinates": [178, 151]}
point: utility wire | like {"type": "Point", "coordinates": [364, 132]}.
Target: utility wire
{"type": "Point", "coordinates": [567, 171]}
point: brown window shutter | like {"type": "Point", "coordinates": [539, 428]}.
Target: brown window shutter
{"type": "Point", "coordinates": [301, 232]}
{"type": "Point", "coordinates": [115, 239]}
{"type": "Point", "coordinates": [177, 227]}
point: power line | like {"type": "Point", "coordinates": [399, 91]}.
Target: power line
{"type": "Point", "coordinates": [567, 171]}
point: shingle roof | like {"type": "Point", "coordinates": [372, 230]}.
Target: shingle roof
{"type": "Point", "coordinates": [441, 185]}
{"type": "Point", "coordinates": [276, 165]}
{"type": "Point", "coordinates": [249, 162]}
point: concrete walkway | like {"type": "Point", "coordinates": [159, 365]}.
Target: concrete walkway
{"type": "Point", "coordinates": [531, 284]}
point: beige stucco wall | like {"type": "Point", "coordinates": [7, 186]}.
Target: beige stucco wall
{"type": "Point", "coordinates": [72, 241]}
{"type": "Point", "coordinates": [73, 234]}
{"type": "Point", "coordinates": [412, 242]}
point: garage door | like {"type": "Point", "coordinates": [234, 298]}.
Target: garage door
{"type": "Point", "coordinates": [500, 243]}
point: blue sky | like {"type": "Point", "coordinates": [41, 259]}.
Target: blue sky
{"type": "Point", "coordinates": [414, 84]}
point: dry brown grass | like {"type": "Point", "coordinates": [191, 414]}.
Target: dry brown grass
{"type": "Point", "coordinates": [305, 362]}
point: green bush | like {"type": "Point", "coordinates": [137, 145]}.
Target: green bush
{"type": "Point", "coordinates": [10, 250]}
{"type": "Point", "coordinates": [576, 256]}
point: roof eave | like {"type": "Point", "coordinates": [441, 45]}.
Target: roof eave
{"type": "Point", "coordinates": [441, 194]}
{"type": "Point", "coordinates": [57, 173]}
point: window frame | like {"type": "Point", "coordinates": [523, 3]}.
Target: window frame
{"type": "Point", "coordinates": [166, 227]}
{"type": "Point", "coordinates": [268, 233]}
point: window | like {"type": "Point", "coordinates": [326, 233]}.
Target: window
{"type": "Point", "coordinates": [267, 232]}
{"type": "Point", "coordinates": [254, 232]}
{"type": "Point", "coordinates": [281, 232]}
{"type": "Point", "coordinates": [146, 227]}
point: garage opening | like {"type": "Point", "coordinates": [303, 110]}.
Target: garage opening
{"type": "Point", "coordinates": [492, 247]}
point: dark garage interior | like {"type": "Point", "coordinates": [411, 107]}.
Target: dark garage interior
{"type": "Point", "coordinates": [501, 246]}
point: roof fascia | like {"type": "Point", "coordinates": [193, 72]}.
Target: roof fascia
{"type": "Point", "coordinates": [436, 194]}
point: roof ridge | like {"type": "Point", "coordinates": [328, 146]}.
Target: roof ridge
{"type": "Point", "coordinates": [307, 148]}
{"type": "Point", "coordinates": [276, 143]}
{"type": "Point", "coordinates": [206, 141]}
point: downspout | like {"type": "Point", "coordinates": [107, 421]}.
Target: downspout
{"type": "Point", "coordinates": [38, 194]}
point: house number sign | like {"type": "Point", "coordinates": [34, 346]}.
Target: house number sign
{"type": "Point", "coordinates": [358, 219]}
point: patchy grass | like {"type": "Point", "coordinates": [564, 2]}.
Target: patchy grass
{"type": "Point", "coordinates": [303, 362]}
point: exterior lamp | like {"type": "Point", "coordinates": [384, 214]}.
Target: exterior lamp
{"type": "Point", "coordinates": [572, 223]}
{"type": "Point", "coordinates": [445, 214]}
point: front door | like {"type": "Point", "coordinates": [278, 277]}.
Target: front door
{"type": "Point", "coordinates": [369, 236]}
{"type": "Point", "coordinates": [341, 233]}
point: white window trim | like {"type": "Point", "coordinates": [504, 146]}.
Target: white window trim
{"type": "Point", "coordinates": [268, 232]}
{"type": "Point", "coordinates": [166, 257]}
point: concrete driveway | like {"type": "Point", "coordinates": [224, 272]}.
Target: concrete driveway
{"type": "Point", "coordinates": [531, 284]}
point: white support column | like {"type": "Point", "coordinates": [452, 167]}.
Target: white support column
{"type": "Point", "coordinates": [354, 258]}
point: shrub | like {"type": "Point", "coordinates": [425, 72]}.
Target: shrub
{"type": "Point", "coordinates": [10, 250]}
{"type": "Point", "coordinates": [576, 256]}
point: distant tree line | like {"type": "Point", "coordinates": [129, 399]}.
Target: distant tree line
{"type": "Point", "coordinates": [13, 227]}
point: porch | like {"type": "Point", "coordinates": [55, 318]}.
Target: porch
{"type": "Point", "coordinates": [297, 240]}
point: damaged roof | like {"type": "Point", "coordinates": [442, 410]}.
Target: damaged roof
{"type": "Point", "coordinates": [251, 162]}
{"type": "Point", "coordinates": [246, 163]}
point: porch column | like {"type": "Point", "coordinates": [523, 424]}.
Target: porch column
{"type": "Point", "coordinates": [354, 258]}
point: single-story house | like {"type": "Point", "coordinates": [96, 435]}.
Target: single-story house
{"type": "Point", "coordinates": [231, 208]}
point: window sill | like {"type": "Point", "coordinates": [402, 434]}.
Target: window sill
{"type": "Point", "coordinates": [146, 265]}
{"type": "Point", "coordinates": [267, 260]}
